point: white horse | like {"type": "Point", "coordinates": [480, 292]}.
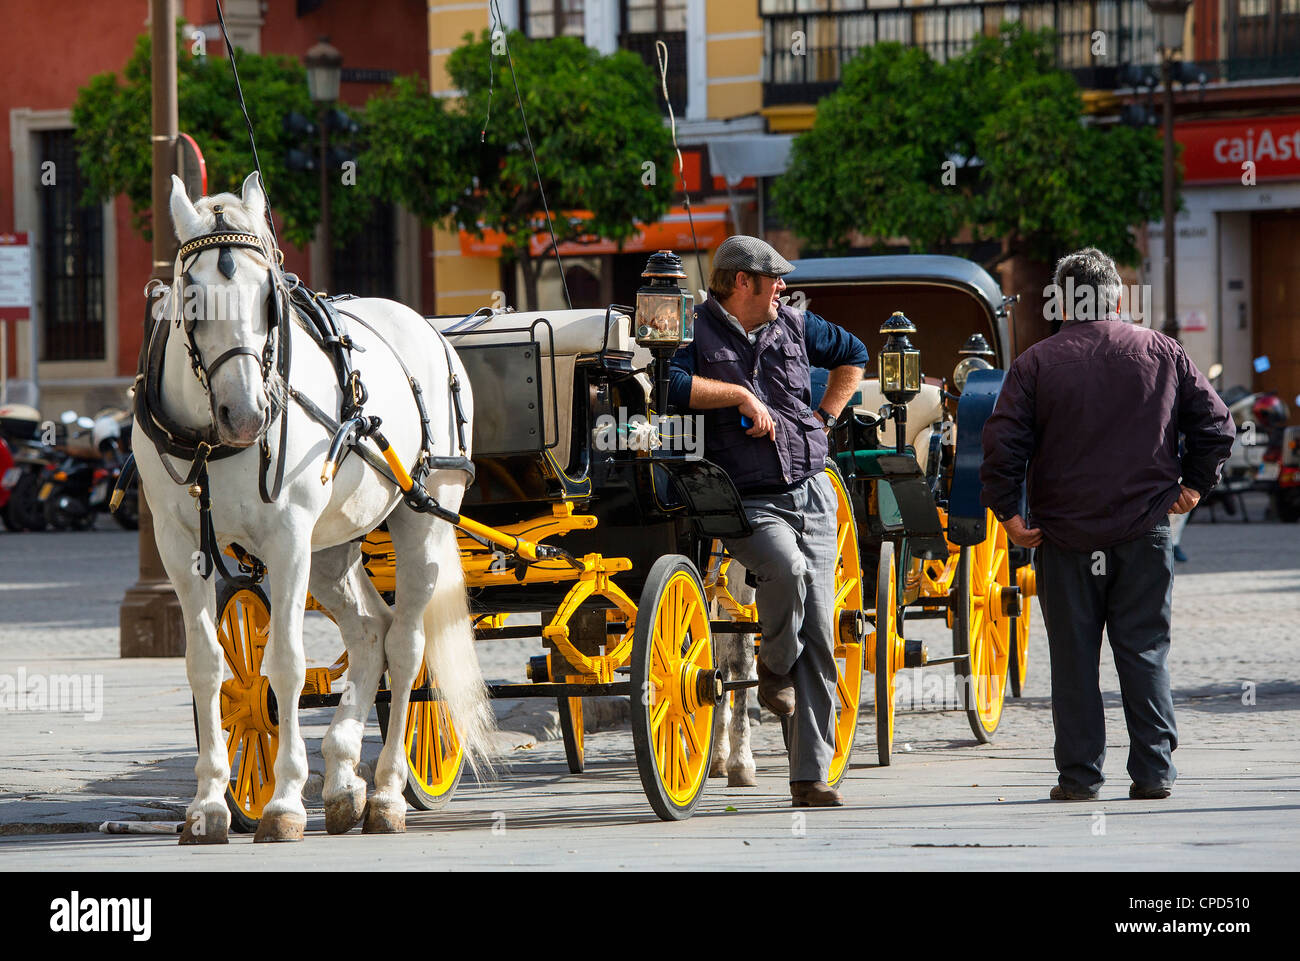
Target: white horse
{"type": "Point", "coordinates": [430, 623]}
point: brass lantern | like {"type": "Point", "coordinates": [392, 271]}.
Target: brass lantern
{"type": "Point", "coordinates": [664, 315]}
{"type": "Point", "coordinates": [900, 362]}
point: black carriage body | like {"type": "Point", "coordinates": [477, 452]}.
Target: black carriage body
{"type": "Point", "coordinates": [534, 429]}
{"type": "Point", "coordinates": [895, 495]}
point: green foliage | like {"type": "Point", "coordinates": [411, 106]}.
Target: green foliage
{"type": "Point", "coordinates": [112, 119]}
{"type": "Point", "coordinates": [873, 161]}
{"type": "Point", "coordinates": [594, 122]}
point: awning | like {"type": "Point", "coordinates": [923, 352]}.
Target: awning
{"type": "Point", "coordinates": [735, 158]}
{"type": "Point", "coordinates": [672, 232]}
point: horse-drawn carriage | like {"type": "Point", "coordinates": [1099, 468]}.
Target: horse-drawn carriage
{"type": "Point", "coordinates": [590, 508]}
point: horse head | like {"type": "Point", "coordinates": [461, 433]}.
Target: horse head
{"type": "Point", "coordinates": [225, 294]}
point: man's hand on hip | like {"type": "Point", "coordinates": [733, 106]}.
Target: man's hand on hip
{"type": "Point", "coordinates": [754, 409]}
{"type": "Point", "coordinates": [1021, 535]}
{"type": "Point", "coordinates": [1186, 501]}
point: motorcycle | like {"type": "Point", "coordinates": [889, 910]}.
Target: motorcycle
{"type": "Point", "coordinates": [21, 482]}
{"type": "Point", "coordinates": [1286, 499]}
{"type": "Point", "coordinates": [1255, 461]}
{"type": "Point", "coordinates": [78, 488]}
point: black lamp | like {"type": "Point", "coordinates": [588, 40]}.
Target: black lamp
{"type": "Point", "coordinates": [900, 371]}
{"type": "Point", "coordinates": [664, 317]}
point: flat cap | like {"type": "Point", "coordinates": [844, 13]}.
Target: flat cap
{"type": "Point", "coordinates": [751, 255]}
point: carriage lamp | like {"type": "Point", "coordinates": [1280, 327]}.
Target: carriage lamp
{"type": "Point", "coordinates": [664, 319]}
{"type": "Point", "coordinates": [900, 372]}
{"type": "Point", "coordinates": [975, 354]}
{"type": "Point", "coordinates": [900, 362]}
{"type": "Point", "coordinates": [663, 307]}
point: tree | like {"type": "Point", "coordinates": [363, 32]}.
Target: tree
{"type": "Point", "coordinates": [112, 120]}
{"type": "Point", "coordinates": [600, 141]}
{"type": "Point", "coordinates": [995, 141]}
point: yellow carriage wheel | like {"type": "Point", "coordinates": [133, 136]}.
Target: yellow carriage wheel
{"type": "Point", "coordinates": [571, 730]}
{"type": "Point", "coordinates": [848, 648]}
{"type": "Point", "coordinates": [248, 716]}
{"type": "Point", "coordinates": [888, 651]}
{"type": "Point", "coordinates": [675, 688]}
{"type": "Point", "coordinates": [982, 629]}
{"type": "Point", "coordinates": [435, 757]}
{"type": "Point", "coordinates": [1025, 578]}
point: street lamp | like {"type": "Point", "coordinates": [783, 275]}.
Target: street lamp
{"type": "Point", "coordinates": [324, 71]}
{"type": "Point", "coordinates": [1170, 17]}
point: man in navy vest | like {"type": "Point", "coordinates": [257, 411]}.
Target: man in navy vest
{"type": "Point", "coordinates": [748, 373]}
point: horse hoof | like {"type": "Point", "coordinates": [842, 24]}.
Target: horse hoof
{"type": "Point", "coordinates": [344, 812]}
{"type": "Point", "coordinates": [385, 818]}
{"type": "Point", "coordinates": [741, 778]}
{"type": "Point", "coordinates": [204, 830]}
{"type": "Point", "coordinates": [717, 770]}
{"type": "Point", "coordinates": [283, 826]}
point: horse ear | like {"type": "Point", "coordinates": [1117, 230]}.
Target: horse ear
{"type": "Point", "coordinates": [185, 218]}
{"type": "Point", "coordinates": [254, 197]}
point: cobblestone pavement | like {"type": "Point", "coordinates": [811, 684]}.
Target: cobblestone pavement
{"type": "Point", "coordinates": [1235, 664]}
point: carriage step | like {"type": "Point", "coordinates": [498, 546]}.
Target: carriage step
{"type": "Point", "coordinates": [735, 627]}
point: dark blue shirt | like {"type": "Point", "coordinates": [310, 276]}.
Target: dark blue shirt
{"type": "Point", "coordinates": [828, 345]}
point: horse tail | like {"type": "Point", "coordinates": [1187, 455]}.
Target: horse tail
{"type": "Point", "coordinates": [451, 659]}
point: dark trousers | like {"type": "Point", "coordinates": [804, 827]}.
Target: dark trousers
{"type": "Point", "coordinates": [1127, 590]}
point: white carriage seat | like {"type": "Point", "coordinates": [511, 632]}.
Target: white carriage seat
{"type": "Point", "coordinates": [922, 411]}
{"type": "Point", "coordinates": [576, 333]}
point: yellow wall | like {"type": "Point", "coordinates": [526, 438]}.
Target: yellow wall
{"type": "Point", "coordinates": [734, 59]}
{"type": "Point", "coordinates": [449, 21]}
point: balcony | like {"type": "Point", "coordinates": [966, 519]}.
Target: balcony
{"type": "Point", "coordinates": [1261, 39]}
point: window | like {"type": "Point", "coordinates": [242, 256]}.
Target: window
{"type": "Point", "coordinates": [552, 18]}
{"type": "Point", "coordinates": [367, 263]}
{"type": "Point", "coordinates": [654, 16]}
{"type": "Point", "coordinates": [72, 256]}
{"type": "Point", "coordinates": [646, 21]}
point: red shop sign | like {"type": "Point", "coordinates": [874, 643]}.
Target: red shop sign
{"type": "Point", "coordinates": [1215, 151]}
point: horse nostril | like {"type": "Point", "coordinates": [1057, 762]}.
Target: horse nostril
{"type": "Point", "coordinates": [224, 414]}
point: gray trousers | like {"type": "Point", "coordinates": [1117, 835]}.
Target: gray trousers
{"type": "Point", "coordinates": [1126, 589]}
{"type": "Point", "coordinates": [792, 555]}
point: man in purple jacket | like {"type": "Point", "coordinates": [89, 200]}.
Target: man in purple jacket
{"type": "Point", "coordinates": [1090, 418]}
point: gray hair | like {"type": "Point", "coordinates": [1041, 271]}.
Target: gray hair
{"type": "Point", "coordinates": [1088, 270]}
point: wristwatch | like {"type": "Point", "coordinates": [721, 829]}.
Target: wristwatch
{"type": "Point", "coordinates": [827, 419]}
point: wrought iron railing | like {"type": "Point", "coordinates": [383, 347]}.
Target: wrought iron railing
{"type": "Point", "coordinates": [804, 53]}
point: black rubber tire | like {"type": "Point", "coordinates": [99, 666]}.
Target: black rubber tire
{"type": "Point", "coordinates": [1287, 505]}
{"type": "Point", "coordinates": [885, 598]}
{"type": "Point", "coordinates": [25, 512]}
{"type": "Point", "coordinates": [643, 743]}
{"type": "Point", "coordinates": [575, 748]}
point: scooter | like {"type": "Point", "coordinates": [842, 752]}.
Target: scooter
{"type": "Point", "coordinates": [1253, 464]}
{"type": "Point", "coordinates": [21, 482]}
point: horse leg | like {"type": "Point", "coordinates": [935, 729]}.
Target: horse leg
{"type": "Point", "coordinates": [207, 819]}
{"type": "Point", "coordinates": [740, 761]}
{"type": "Point", "coordinates": [722, 716]}
{"type": "Point", "coordinates": [339, 583]}
{"type": "Point", "coordinates": [284, 817]}
{"type": "Point", "coordinates": [417, 571]}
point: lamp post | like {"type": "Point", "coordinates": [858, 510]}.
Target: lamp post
{"type": "Point", "coordinates": [1170, 17]}
{"type": "Point", "coordinates": [324, 71]}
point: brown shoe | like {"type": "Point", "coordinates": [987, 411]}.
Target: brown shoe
{"type": "Point", "coordinates": [775, 691]}
{"type": "Point", "coordinates": [814, 794]}
{"type": "Point", "coordinates": [1059, 793]}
